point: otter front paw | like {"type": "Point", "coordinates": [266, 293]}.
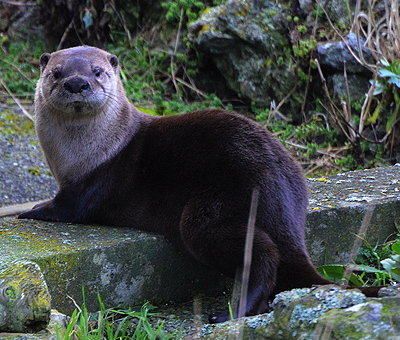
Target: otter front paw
{"type": "Point", "coordinates": [43, 211]}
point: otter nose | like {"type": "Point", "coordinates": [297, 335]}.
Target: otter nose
{"type": "Point", "coordinates": [76, 85]}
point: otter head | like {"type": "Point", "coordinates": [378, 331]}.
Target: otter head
{"type": "Point", "coordinates": [78, 82]}
{"type": "Point", "coordinates": [82, 115]}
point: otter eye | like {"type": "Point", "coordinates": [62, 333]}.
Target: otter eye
{"type": "Point", "coordinates": [56, 73]}
{"type": "Point", "coordinates": [97, 71]}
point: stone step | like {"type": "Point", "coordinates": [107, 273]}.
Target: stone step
{"type": "Point", "coordinates": [127, 266]}
{"type": "Point", "coordinates": [338, 206]}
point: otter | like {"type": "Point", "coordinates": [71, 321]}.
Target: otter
{"type": "Point", "coordinates": [189, 177]}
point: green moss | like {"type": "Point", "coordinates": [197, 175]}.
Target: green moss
{"type": "Point", "coordinates": [12, 123]}
{"type": "Point", "coordinates": [183, 10]}
{"type": "Point", "coordinates": [34, 171]}
{"type": "Point", "coordinates": [10, 292]}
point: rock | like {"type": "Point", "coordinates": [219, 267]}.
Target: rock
{"type": "Point", "coordinates": [356, 84]}
{"type": "Point", "coordinates": [378, 320]}
{"type": "Point", "coordinates": [58, 326]}
{"type": "Point", "coordinates": [338, 11]}
{"type": "Point", "coordinates": [390, 291]}
{"type": "Point", "coordinates": [333, 55]}
{"type": "Point", "coordinates": [254, 328]}
{"type": "Point", "coordinates": [326, 312]}
{"type": "Point", "coordinates": [56, 330]}
{"type": "Point", "coordinates": [306, 5]}
{"type": "Point", "coordinates": [25, 299]}
{"type": "Point", "coordinates": [337, 208]}
{"type": "Point", "coordinates": [295, 311]}
{"type": "Point", "coordinates": [125, 266]}
{"type": "Point", "coordinates": [248, 42]}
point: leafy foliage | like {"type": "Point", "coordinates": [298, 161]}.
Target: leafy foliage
{"type": "Point", "coordinates": [376, 266]}
{"type": "Point", "coordinates": [388, 82]}
{"type": "Point", "coordinates": [17, 69]}
{"type": "Point", "coordinates": [159, 74]}
{"type": "Point", "coordinates": [392, 264]}
{"type": "Point", "coordinates": [113, 324]}
{"type": "Point", "coordinates": [358, 278]}
{"type": "Point", "coordinates": [190, 9]}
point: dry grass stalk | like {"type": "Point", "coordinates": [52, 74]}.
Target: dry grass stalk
{"type": "Point", "coordinates": [376, 25]}
{"type": "Point", "coordinates": [357, 244]}
{"type": "Point", "coordinates": [381, 31]}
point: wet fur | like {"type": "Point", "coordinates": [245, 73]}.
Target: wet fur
{"type": "Point", "coordinates": [189, 177]}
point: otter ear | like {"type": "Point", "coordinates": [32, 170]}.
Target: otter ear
{"type": "Point", "coordinates": [113, 60]}
{"type": "Point", "coordinates": [44, 59]}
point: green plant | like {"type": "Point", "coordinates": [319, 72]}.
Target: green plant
{"type": "Point", "coordinates": [314, 131]}
{"type": "Point", "coordinates": [374, 120]}
{"type": "Point", "coordinates": [318, 12]}
{"type": "Point", "coordinates": [190, 9]}
{"type": "Point", "coordinates": [159, 76]}
{"type": "Point", "coordinates": [230, 310]}
{"type": "Point", "coordinates": [372, 255]}
{"type": "Point", "coordinates": [17, 72]}
{"type": "Point", "coordinates": [358, 278]}
{"type": "Point", "coordinates": [376, 266]}
{"type": "Point", "coordinates": [304, 47]}
{"type": "Point", "coordinates": [346, 163]}
{"type": "Point", "coordinates": [141, 66]}
{"type": "Point", "coordinates": [10, 123]}
{"type": "Point", "coordinates": [392, 264]}
{"type": "Point", "coordinates": [388, 81]}
{"type": "Point", "coordinates": [302, 29]}
{"type": "Point", "coordinates": [111, 324]}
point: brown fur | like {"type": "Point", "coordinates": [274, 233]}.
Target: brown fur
{"type": "Point", "coordinates": [189, 177]}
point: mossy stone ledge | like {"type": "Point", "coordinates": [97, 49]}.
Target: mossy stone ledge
{"type": "Point", "coordinates": [129, 266]}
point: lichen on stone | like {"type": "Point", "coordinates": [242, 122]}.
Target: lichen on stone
{"type": "Point", "coordinates": [249, 44]}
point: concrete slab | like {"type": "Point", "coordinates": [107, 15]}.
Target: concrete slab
{"type": "Point", "coordinates": [337, 208]}
{"type": "Point", "coordinates": [128, 266]}
{"type": "Point", "coordinates": [124, 266]}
